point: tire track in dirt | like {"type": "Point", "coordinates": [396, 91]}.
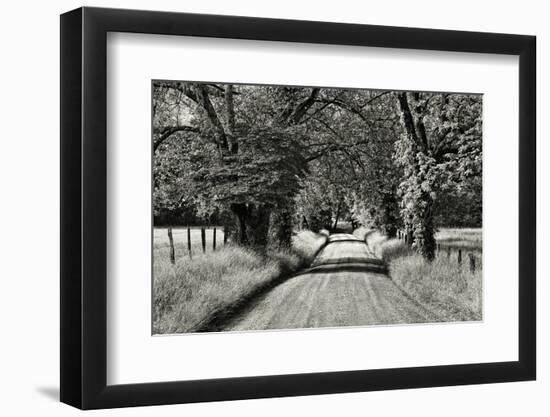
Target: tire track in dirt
{"type": "Point", "coordinates": [345, 286]}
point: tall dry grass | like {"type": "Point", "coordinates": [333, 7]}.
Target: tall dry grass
{"type": "Point", "coordinates": [465, 238]}
{"type": "Point", "coordinates": [307, 244]}
{"type": "Point", "coordinates": [188, 294]}
{"type": "Point", "coordinates": [450, 291]}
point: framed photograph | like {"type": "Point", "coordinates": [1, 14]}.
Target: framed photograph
{"type": "Point", "coordinates": [258, 208]}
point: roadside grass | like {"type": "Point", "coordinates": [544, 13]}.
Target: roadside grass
{"type": "Point", "coordinates": [307, 244]}
{"type": "Point", "coordinates": [187, 295]}
{"type": "Point", "coordinates": [450, 291]}
{"type": "Point", "coordinates": [363, 231]}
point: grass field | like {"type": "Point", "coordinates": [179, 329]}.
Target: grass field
{"type": "Point", "coordinates": [190, 293]}
{"type": "Point", "coordinates": [160, 240]}
{"type": "Point", "coordinates": [447, 289]}
{"type": "Point", "coordinates": [460, 238]}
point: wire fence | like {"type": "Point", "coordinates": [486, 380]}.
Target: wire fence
{"type": "Point", "coordinates": [462, 256]}
{"type": "Point", "coordinates": [192, 238]}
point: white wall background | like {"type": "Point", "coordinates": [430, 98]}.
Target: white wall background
{"type": "Point", "coordinates": [29, 175]}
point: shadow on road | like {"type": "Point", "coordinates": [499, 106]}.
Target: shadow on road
{"type": "Point", "coordinates": [346, 264]}
{"type": "Point", "coordinates": [331, 268]}
{"type": "Point", "coordinates": [345, 240]}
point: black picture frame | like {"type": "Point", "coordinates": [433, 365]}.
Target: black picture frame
{"type": "Point", "coordinates": [84, 207]}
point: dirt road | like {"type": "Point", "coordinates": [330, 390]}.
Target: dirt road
{"type": "Point", "coordinates": [345, 286]}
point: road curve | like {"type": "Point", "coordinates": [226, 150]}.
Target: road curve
{"type": "Point", "coordinates": [345, 286]}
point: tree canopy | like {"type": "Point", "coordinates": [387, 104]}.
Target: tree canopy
{"type": "Point", "coordinates": [266, 160]}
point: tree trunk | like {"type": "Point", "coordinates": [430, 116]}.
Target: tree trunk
{"type": "Point", "coordinates": [203, 99]}
{"type": "Point", "coordinates": [409, 237]}
{"type": "Point", "coordinates": [424, 232]}
{"type": "Point", "coordinates": [259, 216]}
{"type": "Point", "coordinates": [390, 216]}
{"type": "Point", "coordinates": [282, 222]}
{"type": "Point", "coordinates": [419, 220]}
{"type": "Point", "coordinates": [253, 224]}
{"type": "Point", "coordinates": [408, 120]}
{"type": "Point", "coordinates": [230, 116]}
{"type": "Point", "coordinates": [337, 215]}
{"type": "Point", "coordinates": [391, 230]}
{"type": "Point", "coordinates": [240, 211]}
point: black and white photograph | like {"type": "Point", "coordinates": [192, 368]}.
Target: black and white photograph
{"type": "Point", "coordinates": [292, 207]}
{"type": "Point", "coordinates": [270, 209]}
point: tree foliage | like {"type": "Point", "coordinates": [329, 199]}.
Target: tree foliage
{"type": "Point", "coordinates": [441, 143]}
{"type": "Point", "coordinates": [267, 160]}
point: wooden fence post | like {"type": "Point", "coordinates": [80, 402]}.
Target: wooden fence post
{"type": "Point", "coordinates": [472, 262]}
{"type": "Point", "coordinates": [214, 239]}
{"type": "Point", "coordinates": [224, 235]}
{"type": "Point", "coordinates": [459, 257]}
{"type": "Point", "coordinates": [203, 239]}
{"type": "Point", "coordinates": [189, 242]}
{"type": "Point", "coordinates": [172, 250]}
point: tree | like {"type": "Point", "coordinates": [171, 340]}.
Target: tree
{"type": "Point", "coordinates": [266, 159]}
{"type": "Point", "coordinates": [247, 163]}
{"type": "Point", "coordinates": [320, 202]}
{"type": "Point", "coordinates": [441, 138]}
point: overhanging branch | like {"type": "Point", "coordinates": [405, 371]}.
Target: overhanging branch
{"type": "Point", "coordinates": [169, 131]}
